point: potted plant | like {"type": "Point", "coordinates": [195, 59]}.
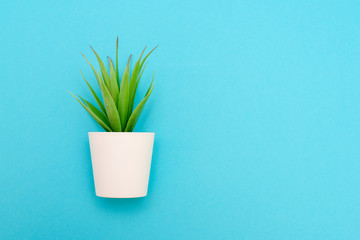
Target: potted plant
{"type": "Point", "coordinates": [121, 158]}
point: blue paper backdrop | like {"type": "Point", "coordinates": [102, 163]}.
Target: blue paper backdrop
{"type": "Point", "coordinates": [256, 110]}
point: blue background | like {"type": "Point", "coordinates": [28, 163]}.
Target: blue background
{"type": "Point", "coordinates": [256, 110]}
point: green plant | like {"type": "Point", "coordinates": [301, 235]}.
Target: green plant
{"type": "Point", "coordinates": [117, 114]}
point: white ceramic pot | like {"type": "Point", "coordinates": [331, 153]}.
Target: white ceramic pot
{"type": "Point", "coordinates": [121, 163]}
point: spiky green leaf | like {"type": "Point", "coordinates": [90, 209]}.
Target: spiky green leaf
{"type": "Point", "coordinates": [147, 55]}
{"type": "Point", "coordinates": [93, 115]}
{"type": "Point", "coordinates": [133, 85]}
{"type": "Point", "coordinates": [136, 113]}
{"type": "Point", "coordinates": [114, 88]}
{"type": "Point", "coordinates": [104, 72]}
{"type": "Point", "coordinates": [138, 80]}
{"type": "Point", "coordinates": [97, 99]}
{"type": "Point", "coordinates": [123, 103]}
{"type": "Point", "coordinates": [110, 107]}
{"type": "Point", "coordinates": [117, 62]}
{"type": "Point", "coordinates": [98, 78]}
{"type": "Point", "coordinates": [98, 113]}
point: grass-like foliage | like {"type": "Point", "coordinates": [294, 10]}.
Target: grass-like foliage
{"type": "Point", "coordinates": [116, 113]}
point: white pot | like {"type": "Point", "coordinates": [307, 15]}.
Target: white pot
{"type": "Point", "coordinates": [121, 163]}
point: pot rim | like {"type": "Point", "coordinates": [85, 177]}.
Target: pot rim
{"type": "Point", "coordinates": [122, 133]}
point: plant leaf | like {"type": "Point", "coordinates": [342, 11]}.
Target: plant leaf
{"type": "Point", "coordinates": [114, 88]}
{"type": "Point", "coordinates": [110, 106]}
{"type": "Point", "coordinates": [135, 78]}
{"type": "Point", "coordinates": [98, 113]}
{"type": "Point", "coordinates": [93, 115]}
{"type": "Point", "coordinates": [98, 78]}
{"type": "Point", "coordinates": [124, 96]}
{"type": "Point", "coordinates": [138, 80]}
{"type": "Point", "coordinates": [147, 55]}
{"type": "Point", "coordinates": [117, 62]}
{"type": "Point", "coordinates": [104, 72]}
{"type": "Point", "coordinates": [98, 101]}
{"type": "Point", "coordinates": [136, 113]}
{"type": "Point", "coordinates": [133, 85]}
